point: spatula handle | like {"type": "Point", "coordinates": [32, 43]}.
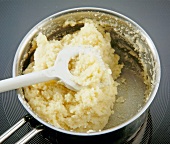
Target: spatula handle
{"type": "Point", "coordinates": [25, 80]}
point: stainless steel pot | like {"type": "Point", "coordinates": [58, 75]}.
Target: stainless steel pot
{"type": "Point", "coordinates": [137, 52]}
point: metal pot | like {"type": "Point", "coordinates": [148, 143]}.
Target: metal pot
{"type": "Point", "coordinates": [137, 52]}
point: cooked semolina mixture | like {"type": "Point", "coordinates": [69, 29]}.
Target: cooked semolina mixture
{"type": "Point", "coordinates": [85, 110]}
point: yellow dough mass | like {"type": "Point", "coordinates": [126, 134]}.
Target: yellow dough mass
{"type": "Point", "coordinates": [85, 110]}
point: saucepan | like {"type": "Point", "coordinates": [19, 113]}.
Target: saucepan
{"type": "Point", "coordinates": [138, 81]}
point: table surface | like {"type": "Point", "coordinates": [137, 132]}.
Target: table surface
{"type": "Point", "coordinates": [17, 17]}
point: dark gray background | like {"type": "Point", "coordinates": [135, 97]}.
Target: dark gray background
{"type": "Point", "coordinates": [17, 17]}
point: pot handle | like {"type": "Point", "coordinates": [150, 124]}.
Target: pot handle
{"type": "Point", "coordinates": [30, 135]}
{"type": "Point", "coordinates": [15, 127]}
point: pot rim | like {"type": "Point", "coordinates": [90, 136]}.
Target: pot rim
{"type": "Point", "coordinates": [107, 11]}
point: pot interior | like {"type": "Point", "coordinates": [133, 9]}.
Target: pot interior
{"type": "Point", "coordinates": [131, 43]}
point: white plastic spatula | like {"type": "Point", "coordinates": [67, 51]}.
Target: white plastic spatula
{"type": "Point", "coordinates": [58, 71]}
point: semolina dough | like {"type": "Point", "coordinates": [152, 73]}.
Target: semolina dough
{"type": "Point", "coordinates": [90, 108]}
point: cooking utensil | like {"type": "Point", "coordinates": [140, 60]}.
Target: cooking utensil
{"type": "Point", "coordinates": [58, 71]}
{"type": "Point", "coordinates": [139, 79]}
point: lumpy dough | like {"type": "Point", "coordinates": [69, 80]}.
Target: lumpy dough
{"type": "Point", "coordinates": [90, 108]}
